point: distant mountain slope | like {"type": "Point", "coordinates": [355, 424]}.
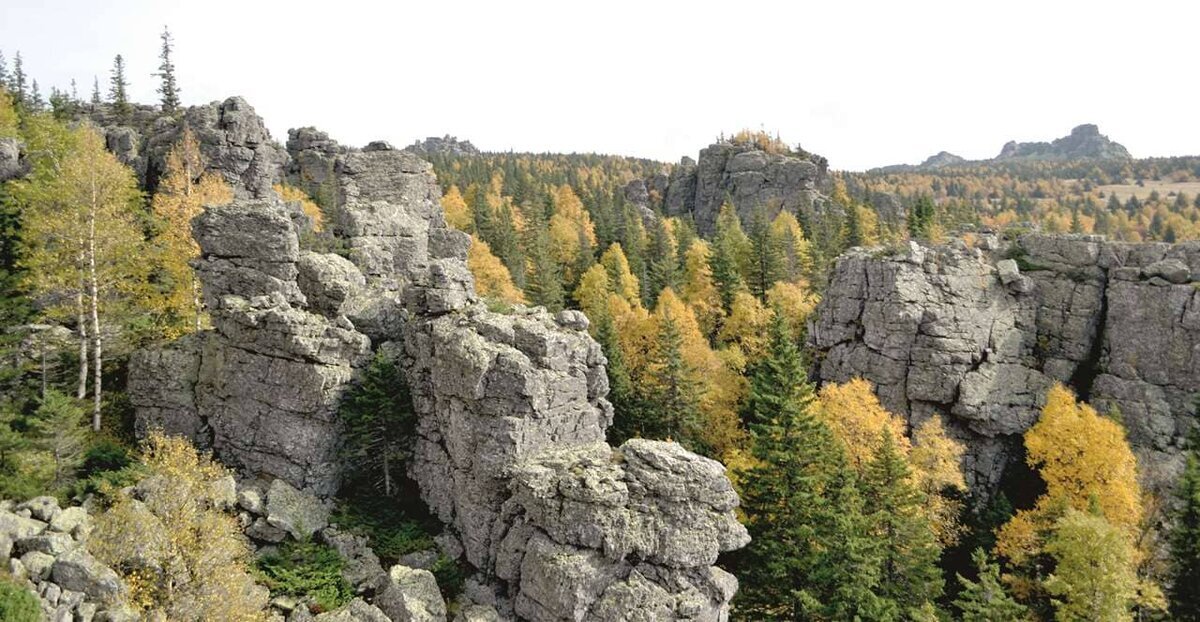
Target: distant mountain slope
{"type": "Point", "coordinates": [1085, 142]}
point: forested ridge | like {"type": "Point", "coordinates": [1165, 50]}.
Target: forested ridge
{"type": "Point", "coordinates": [852, 514]}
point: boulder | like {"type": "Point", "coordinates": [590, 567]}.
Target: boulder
{"type": "Point", "coordinates": [73, 520]}
{"type": "Point", "coordinates": [356, 610]}
{"type": "Point", "coordinates": [295, 512]}
{"type": "Point", "coordinates": [411, 595]}
{"type": "Point", "coordinates": [41, 508]}
{"type": "Point", "coordinates": [77, 570]}
{"type": "Point", "coordinates": [15, 526]}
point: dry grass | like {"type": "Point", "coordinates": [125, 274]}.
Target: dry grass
{"type": "Point", "coordinates": [1164, 188]}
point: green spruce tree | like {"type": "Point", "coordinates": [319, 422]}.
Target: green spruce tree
{"type": "Point", "coordinates": [1184, 540]}
{"type": "Point", "coordinates": [985, 600]}
{"type": "Point", "coordinates": [729, 249]}
{"type": "Point", "coordinates": [168, 89]}
{"type": "Point", "coordinates": [766, 265]}
{"type": "Point", "coordinates": [58, 427]}
{"type": "Point", "coordinates": [920, 218]}
{"type": "Point", "coordinates": [379, 424]}
{"type": "Point", "coordinates": [909, 548]}
{"type": "Point", "coordinates": [664, 267]}
{"type": "Point", "coordinates": [543, 277]}
{"type": "Point", "coordinates": [119, 87]}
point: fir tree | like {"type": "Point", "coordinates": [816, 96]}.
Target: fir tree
{"type": "Point", "coordinates": [920, 218]}
{"type": "Point", "coordinates": [729, 246]}
{"type": "Point", "coordinates": [985, 600]}
{"type": "Point", "coordinates": [58, 426]}
{"type": "Point", "coordinates": [1184, 539]}
{"type": "Point", "coordinates": [676, 396]}
{"type": "Point", "coordinates": [379, 424]}
{"type": "Point", "coordinates": [766, 265]}
{"type": "Point", "coordinates": [168, 89]}
{"type": "Point", "coordinates": [96, 99]}
{"type": "Point", "coordinates": [18, 83]}
{"type": "Point", "coordinates": [119, 86]}
{"type": "Point", "coordinates": [543, 279]}
{"type": "Point", "coordinates": [854, 231]}
{"type": "Point", "coordinates": [35, 103]}
{"type": "Point", "coordinates": [909, 549]}
{"type": "Point", "coordinates": [808, 557]}
{"type": "Point", "coordinates": [4, 77]}
{"type": "Point", "coordinates": [663, 270]}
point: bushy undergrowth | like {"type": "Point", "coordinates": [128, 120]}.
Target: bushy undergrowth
{"type": "Point", "coordinates": [306, 570]}
{"type": "Point", "coordinates": [18, 604]}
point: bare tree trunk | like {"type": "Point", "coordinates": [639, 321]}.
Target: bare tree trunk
{"type": "Point", "coordinates": [387, 474]}
{"type": "Point", "coordinates": [81, 392]}
{"type": "Point", "coordinates": [197, 303]}
{"type": "Point", "coordinates": [93, 290]}
{"type": "Point", "coordinates": [45, 381]}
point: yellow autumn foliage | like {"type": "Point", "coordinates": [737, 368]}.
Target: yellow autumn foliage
{"type": "Point", "coordinates": [746, 326]}
{"type": "Point", "coordinates": [698, 290]}
{"type": "Point", "coordinates": [622, 280]}
{"type": "Point", "coordinates": [492, 278]}
{"type": "Point", "coordinates": [592, 293]}
{"type": "Point", "coordinates": [307, 205]}
{"type": "Point", "coordinates": [795, 301]}
{"type": "Point", "coordinates": [1085, 461]}
{"type": "Point", "coordinates": [458, 213]}
{"type": "Point", "coordinates": [182, 556]}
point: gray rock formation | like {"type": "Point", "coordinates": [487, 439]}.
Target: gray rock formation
{"type": "Point", "coordinates": [232, 137]}
{"type": "Point", "coordinates": [495, 394]}
{"type": "Point", "coordinates": [11, 165]}
{"type": "Point", "coordinates": [979, 336]}
{"type": "Point", "coordinates": [444, 146]}
{"type": "Point", "coordinates": [1083, 143]}
{"type": "Point", "coordinates": [751, 178]}
{"type": "Point", "coordinates": [941, 159]}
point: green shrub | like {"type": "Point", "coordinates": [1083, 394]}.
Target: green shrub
{"type": "Point", "coordinates": [104, 455]}
{"type": "Point", "coordinates": [18, 604]}
{"type": "Point", "coordinates": [391, 533]}
{"type": "Point", "coordinates": [450, 577]}
{"type": "Point", "coordinates": [306, 570]}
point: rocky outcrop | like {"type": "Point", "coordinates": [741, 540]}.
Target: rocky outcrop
{"type": "Point", "coordinates": [1085, 142]}
{"type": "Point", "coordinates": [11, 164]}
{"type": "Point", "coordinates": [495, 395]}
{"type": "Point", "coordinates": [978, 335]}
{"type": "Point", "coordinates": [233, 138]}
{"type": "Point", "coordinates": [940, 159]}
{"type": "Point", "coordinates": [444, 146]}
{"type": "Point", "coordinates": [747, 176]}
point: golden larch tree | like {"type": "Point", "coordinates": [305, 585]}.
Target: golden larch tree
{"type": "Point", "coordinates": [183, 192]}
{"type": "Point", "coordinates": [492, 278]}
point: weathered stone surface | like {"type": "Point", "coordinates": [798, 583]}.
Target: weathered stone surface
{"type": "Point", "coordinates": [41, 508]}
{"type": "Point", "coordinates": [411, 595]}
{"type": "Point", "coordinates": [751, 178]}
{"type": "Point", "coordinates": [356, 610]}
{"type": "Point", "coordinates": [73, 520]}
{"type": "Point", "coordinates": [16, 527]}
{"type": "Point", "coordinates": [295, 512]}
{"type": "Point", "coordinates": [978, 340]}
{"type": "Point", "coordinates": [11, 166]}
{"type": "Point", "coordinates": [362, 568]}
{"type": "Point", "coordinates": [232, 137]}
{"type": "Point", "coordinates": [77, 570]}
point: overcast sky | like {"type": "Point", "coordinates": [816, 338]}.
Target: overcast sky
{"type": "Point", "coordinates": [863, 83]}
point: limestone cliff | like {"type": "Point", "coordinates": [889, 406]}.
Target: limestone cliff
{"type": "Point", "coordinates": [977, 335]}
{"type": "Point", "coordinates": [511, 408]}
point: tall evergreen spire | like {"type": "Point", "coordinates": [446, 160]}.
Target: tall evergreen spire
{"type": "Point", "coordinates": [168, 89]}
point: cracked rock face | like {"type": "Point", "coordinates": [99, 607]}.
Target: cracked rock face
{"type": "Point", "coordinates": [979, 337]}
{"type": "Point", "coordinates": [233, 139]}
{"type": "Point", "coordinates": [511, 407]}
{"type": "Point", "coordinates": [750, 178]}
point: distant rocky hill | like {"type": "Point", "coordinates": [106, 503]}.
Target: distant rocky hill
{"type": "Point", "coordinates": [942, 158]}
{"type": "Point", "coordinates": [1085, 142]}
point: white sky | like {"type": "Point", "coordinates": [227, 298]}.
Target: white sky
{"type": "Point", "coordinates": [863, 83]}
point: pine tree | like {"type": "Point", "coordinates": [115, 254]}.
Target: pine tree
{"type": "Point", "coordinates": [4, 77]}
{"type": "Point", "coordinates": [985, 600]}
{"type": "Point", "coordinates": [119, 86]}
{"type": "Point", "coordinates": [1184, 539]}
{"type": "Point", "coordinates": [909, 549]}
{"type": "Point", "coordinates": [96, 99]}
{"type": "Point", "coordinates": [169, 89]}
{"type": "Point", "coordinates": [379, 424]}
{"type": "Point", "coordinates": [854, 227]}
